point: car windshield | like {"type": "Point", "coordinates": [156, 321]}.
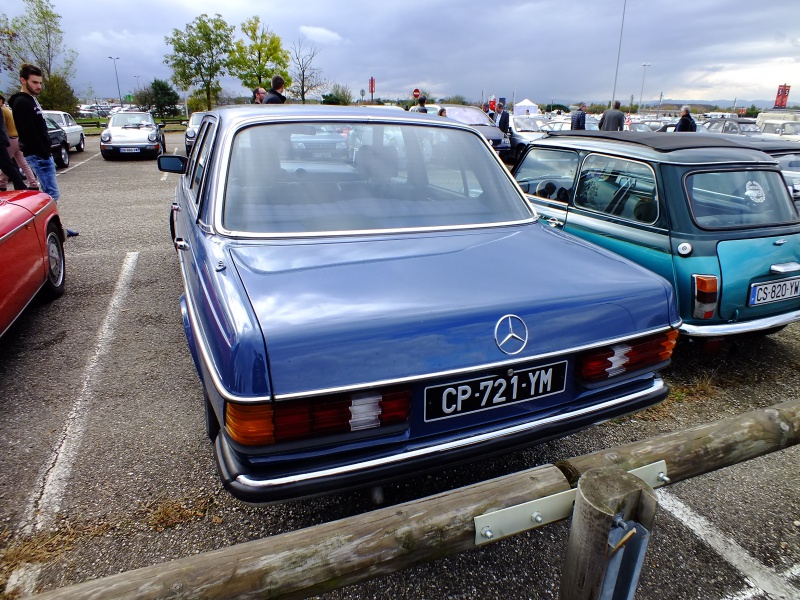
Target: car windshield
{"type": "Point", "coordinates": [526, 124]}
{"type": "Point", "coordinates": [469, 115]}
{"type": "Point", "coordinates": [749, 128]}
{"type": "Point", "coordinates": [344, 177]}
{"type": "Point", "coordinates": [731, 199]}
{"type": "Point", "coordinates": [195, 119]}
{"type": "Point", "coordinates": [131, 120]}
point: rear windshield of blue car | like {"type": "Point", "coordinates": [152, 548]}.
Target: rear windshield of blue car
{"type": "Point", "coordinates": [734, 199]}
{"type": "Point", "coordinates": [345, 177]}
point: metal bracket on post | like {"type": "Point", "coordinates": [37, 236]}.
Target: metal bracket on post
{"type": "Point", "coordinates": [627, 544]}
{"type": "Point", "coordinates": [506, 522]}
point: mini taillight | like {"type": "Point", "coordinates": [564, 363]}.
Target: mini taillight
{"type": "Point", "coordinates": [704, 296]}
{"type": "Point", "coordinates": [296, 419]}
{"type": "Point", "coordinates": [634, 355]}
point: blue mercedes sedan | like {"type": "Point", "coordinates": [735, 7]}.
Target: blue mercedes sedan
{"type": "Point", "coordinates": [387, 302]}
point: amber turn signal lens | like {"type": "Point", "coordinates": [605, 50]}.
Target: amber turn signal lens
{"type": "Point", "coordinates": [250, 424]}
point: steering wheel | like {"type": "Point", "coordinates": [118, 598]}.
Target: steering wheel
{"type": "Point", "coordinates": [546, 188]}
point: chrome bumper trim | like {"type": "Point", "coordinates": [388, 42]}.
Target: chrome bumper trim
{"type": "Point", "coordinates": [741, 326]}
{"type": "Point", "coordinates": [245, 480]}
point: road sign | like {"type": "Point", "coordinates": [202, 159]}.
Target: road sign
{"type": "Point", "coordinates": [416, 93]}
{"type": "Point", "coordinates": [371, 85]}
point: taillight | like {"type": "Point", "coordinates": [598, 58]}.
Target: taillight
{"type": "Point", "coordinates": [704, 296]}
{"type": "Point", "coordinates": [634, 355]}
{"type": "Point", "coordinates": [296, 419]}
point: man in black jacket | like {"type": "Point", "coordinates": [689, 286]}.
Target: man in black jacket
{"type": "Point", "coordinates": [34, 140]}
{"type": "Point", "coordinates": [8, 167]}
{"type": "Point", "coordinates": [686, 122]}
{"type": "Point", "coordinates": [275, 93]}
{"type": "Point", "coordinates": [501, 118]}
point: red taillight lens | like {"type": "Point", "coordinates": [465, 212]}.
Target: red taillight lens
{"type": "Point", "coordinates": [704, 296]}
{"type": "Point", "coordinates": [634, 355]}
{"type": "Point", "coordinates": [297, 419]}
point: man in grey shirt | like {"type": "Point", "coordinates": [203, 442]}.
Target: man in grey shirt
{"type": "Point", "coordinates": [613, 119]}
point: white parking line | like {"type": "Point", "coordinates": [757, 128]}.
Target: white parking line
{"type": "Point", "coordinates": [761, 576]}
{"type": "Point", "coordinates": [45, 502]}
{"type": "Point", "coordinates": [74, 165]}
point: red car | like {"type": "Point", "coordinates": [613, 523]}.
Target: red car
{"type": "Point", "coordinates": [31, 252]}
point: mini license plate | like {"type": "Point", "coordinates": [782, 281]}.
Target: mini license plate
{"type": "Point", "coordinates": [764, 293]}
{"type": "Point", "coordinates": [128, 149]}
{"type": "Point", "coordinates": [494, 391]}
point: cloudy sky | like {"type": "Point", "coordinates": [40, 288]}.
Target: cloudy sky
{"type": "Point", "coordinates": [537, 49]}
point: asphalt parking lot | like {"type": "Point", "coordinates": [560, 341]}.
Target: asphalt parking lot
{"type": "Point", "coordinates": [106, 467]}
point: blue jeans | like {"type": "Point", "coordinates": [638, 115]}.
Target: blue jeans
{"type": "Point", "coordinates": [45, 170]}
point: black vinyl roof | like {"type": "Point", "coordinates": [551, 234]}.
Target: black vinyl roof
{"type": "Point", "coordinates": [659, 141]}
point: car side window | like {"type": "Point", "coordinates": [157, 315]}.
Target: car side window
{"type": "Point", "coordinates": [548, 173]}
{"type": "Point", "coordinates": [201, 159]}
{"type": "Point", "coordinates": [70, 121]}
{"type": "Point", "coordinates": [618, 187]}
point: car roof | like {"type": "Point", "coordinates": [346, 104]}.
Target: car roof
{"type": "Point", "coordinates": [659, 147]}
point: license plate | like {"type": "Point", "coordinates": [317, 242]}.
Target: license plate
{"type": "Point", "coordinates": [128, 149]}
{"type": "Point", "coordinates": [764, 293]}
{"type": "Point", "coordinates": [322, 155]}
{"type": "Point", "coordinates": [494, 391]}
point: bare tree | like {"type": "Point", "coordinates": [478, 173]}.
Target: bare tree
{"type": "Point", "coordinates": [306, 78]}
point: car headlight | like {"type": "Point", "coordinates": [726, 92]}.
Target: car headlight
{"type": "Point", "coordinates": [105, 137]}
{"type": "Point", "coordinates": [152, 136]}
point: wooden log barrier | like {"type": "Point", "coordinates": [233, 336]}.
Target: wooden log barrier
{"type": "Point", "coordinates": [701, 449]}
{"type": "Point", "coordinates": [332, 555]}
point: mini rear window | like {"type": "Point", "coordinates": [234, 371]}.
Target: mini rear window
{"type": "Point", "coordinates": [735, 199]}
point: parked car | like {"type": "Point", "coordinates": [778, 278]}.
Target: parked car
{"type": "Point", "coordinates": [711, 216]}
{"type": "Point", "coordinates": [786, 152]}
{"type": "Point", "coordinates": [31, 252]}
{"type": "Point", "coordinates": [192, 125]}
{"type": "Point", "coordinates": [358, 322]}
{"type": "Point", "coordinates": [640, 127]}
{"type": "Point", "coordinates": [732, 126]}
{"type": "Point", "coordinates": [74, 131]}
{"type": "Point", "coordinates": [132, 134]}
{"type": "Point", "coordinates": [475, 117]}
{"type": "Point", "coordinates": [523, 129]}
{"type": "Point", "coordinates": [789, 130]}
{"type": "Point", "coordinates": [59, 144]}
{"type": "Point", "coordinates": [565, 124]}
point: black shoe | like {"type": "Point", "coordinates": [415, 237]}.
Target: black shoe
{"type": "Point", "coordinates": [3, 189]}
{"type": "Point", "coordinates": [71, 233]}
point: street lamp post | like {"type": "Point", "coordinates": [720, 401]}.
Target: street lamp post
{"type": "Point", "coordinates": [644, 72]}
{"type": "Point", "coordinates": [117, 76]}
{"type": "Point", "coordinates": [619, 50]}
{"type": "Point", "coordinates": [137, 82]}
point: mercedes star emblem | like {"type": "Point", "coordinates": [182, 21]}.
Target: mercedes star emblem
{"type": "Point", "coordinates": [511, 334]}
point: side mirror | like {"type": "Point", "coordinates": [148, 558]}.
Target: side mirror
{"type": "Point", "coordinates": [162, 125]}
{"type": "Point", "coordinates": [185, 123]}
{"type": "Point", "coordinates": [172, 163]}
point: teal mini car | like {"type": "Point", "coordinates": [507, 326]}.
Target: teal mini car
{"type": "Point", "coordinates": [712, 217]}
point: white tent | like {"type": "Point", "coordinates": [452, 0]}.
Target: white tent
{"type": "Point", "coordinates": [522, 106]}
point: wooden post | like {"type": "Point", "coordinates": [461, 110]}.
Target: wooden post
{"type": "Point", "coordinates": [601, 495]}
{"type": "Point", "coordinates": [311, 561]}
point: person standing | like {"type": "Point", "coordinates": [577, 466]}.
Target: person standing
{"type": "Point", "coordinates": [613, 119]}
{"type": "Point", "coordinates": [578, 120]}
{"type": "Point", "coordinates": [13, 150]}
{"type": "Point", "coordinates": [420, 107]}
{"type": "Point", "coordinates": [275, 93]}
{"type": "Point", "coordinates": [501, 118]}
{"type": "Point", "coordinates": [686, 122]}
{"type": "Point", "coordinates": [259, 95]}
{"type": "Point", "coordinates": [33, 137]}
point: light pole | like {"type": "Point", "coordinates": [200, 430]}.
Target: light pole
{"type": "Point", "coordinates": [137, 82]}
{"type": "Point", "coordinates": [644, 72]}
{"type": "Point", "coordinates": [117, 76]}
{"type": "Point", "coordinates": [619, 50]}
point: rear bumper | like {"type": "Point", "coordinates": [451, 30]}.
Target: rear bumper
{"type": "Point", "coordinates": [739, 327]}
{"type": "Point", "coordinates": [263, 488]}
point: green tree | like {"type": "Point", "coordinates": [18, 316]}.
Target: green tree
{"type": "Point", "coordinates": [255, 63]}
{"type": "Point", "coordinates": [340, 94]}
{"type": "Point", "coordinates": [455, 99]}
{"type": "Point", "coordinates": [58, 95]}
{"type": "Point", "coordinates": [165, 99]}
{"type": "Point", "coordinates": [307, 78]}
{"type": "Point", "coordinates": [200, 54]}
{"type": "Point", "coordinates": [36, 37]}
{"type": "Point", "coordinates": [144, 98]}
